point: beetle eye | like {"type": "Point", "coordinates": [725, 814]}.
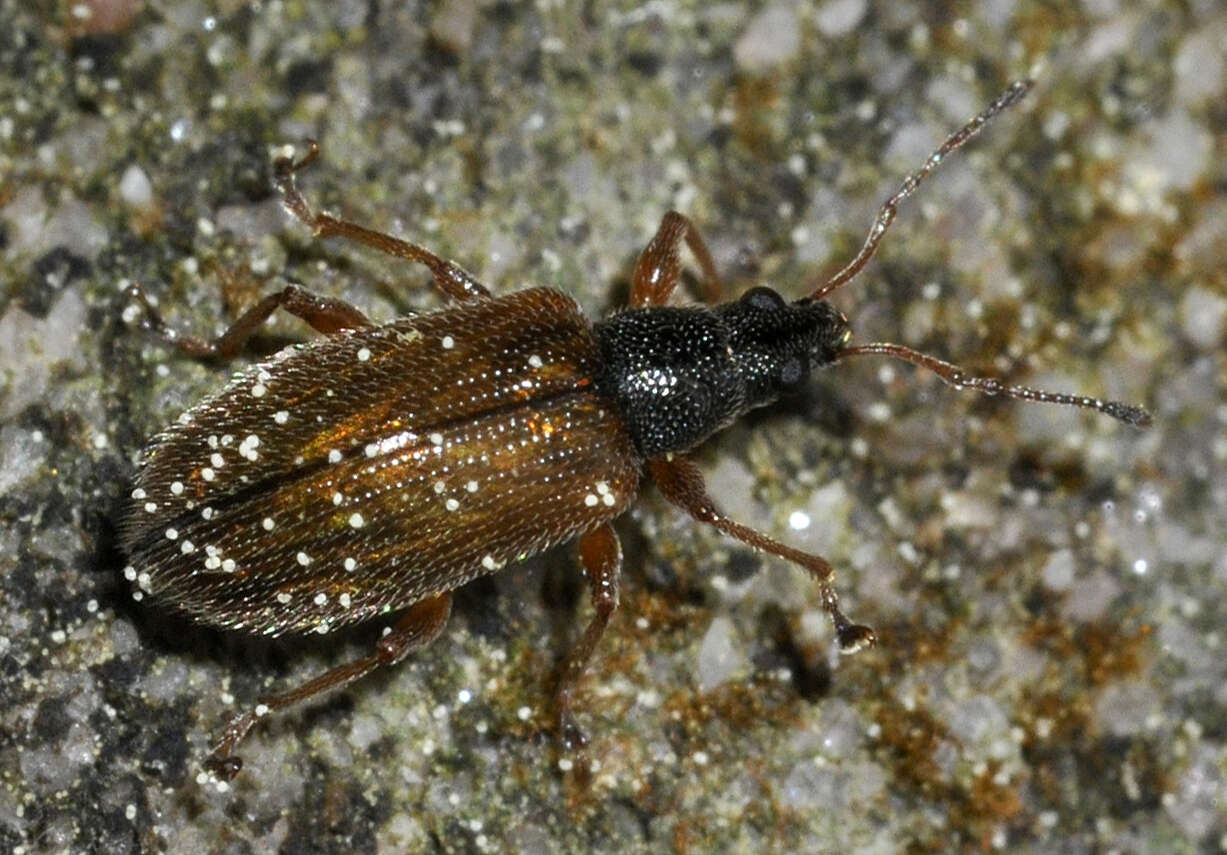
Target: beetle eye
{"type": "Point", "coordinates": [793, 371]}
{"type": "Point", "coordinates": [762, 298]}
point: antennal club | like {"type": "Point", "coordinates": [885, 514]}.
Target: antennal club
{"type": "Point", "coordinates": [886, 214]}
{"type": "Point", "coordinates": [960, 379]}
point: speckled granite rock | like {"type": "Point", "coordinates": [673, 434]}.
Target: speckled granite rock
{"type": "Point", "coordinates": [1048, 586]}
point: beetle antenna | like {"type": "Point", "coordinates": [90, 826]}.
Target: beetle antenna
{"type": "Point", "coordinates": [886, 214]}
{"type": "Point", "coordinates": [955, 376]}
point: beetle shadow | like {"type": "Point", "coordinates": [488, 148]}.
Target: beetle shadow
{"type": "Point", "coordinates": [497, 609]}
{"type": "Point", "coordinates": [817, 404]}
{"type": "Point", "coordinates": [255, 664]}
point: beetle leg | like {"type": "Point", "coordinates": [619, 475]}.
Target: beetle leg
{"type": "Point", "coordinates": [449, 277]}
{"type": "Point", "coordinates": [325, 314]}
{"type": "Point", "coordinates": [659, 266]}
{"type": "Point", "coordinates": [600, 554]}
{"type": "Point", "coordinates": [419, 626]}
{"type": "Point", "coordinates": [682, 484]}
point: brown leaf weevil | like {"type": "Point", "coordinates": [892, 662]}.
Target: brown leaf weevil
{"type": "Point", "coordinates": [378, 468]}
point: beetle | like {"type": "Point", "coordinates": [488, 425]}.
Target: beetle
{"type": "Point", "coordinates": [378, 468]}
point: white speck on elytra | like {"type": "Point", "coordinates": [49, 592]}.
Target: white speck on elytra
{"type": "Point", "coordinates": [172, 533]}
{"type": "Point", "coordinates": [187, 547]}
{"type": "Point", "coordinates": [608, 499]}
{"type": "Point", "coordinates": [451, 504]}
{"type": "Point", "coordinates": [440, 486]}
{"type": "Point", "coordinates": [258, 390]}
{"type": "Point", "coordinates": [284, 598]}
{"type": "Point", "coordinates": [130, 573]}
{"type": "Point", "coordinates": [247, 448]}
{"type": "Point", "coordinates": [303, 558]}
{"type": "Point", "coordinates": [206, 513]}
{"type": "Point", "coordinates": [334, 456]}
{"type": "Point", "coordinates": [208, 474]}
{"type": "Point", "coordinates": [590, 500]}
{"type": "Point", "coordinates": [320, 598]}
{"type": "Point", "coordinates": [371, 450]}
{"type": "Point", "coordinates": [602, 488]}
{"type": "Point", "coordinates": [436, 439]}
{"type": "Point", "coordinates": [267, 523]}
{"type": "Point", "coordinates": [364, 354]}
{"type": "Point", "coordinates": [151, 507]}
{"type": "Point", "coordinates": [217, 460]}
{"type": "Point", "coordinates": [350, 564]}
{"type": "Point", "coordinates": [228, 565]}
{"type": "Point", "coordinates": [281, 417]}
{"type": "Point", "coordinates": [212, 562]}
{"type": "Point", "coordinates": [448, 342]}
{"type": "Point", "coordinates": [356, 520]}
{"type": "Point", "coordinates": [488, 562]}
{"type": "Point", "coordinates": [344, 600]}
{"type": "Point", "coordinates": [337, 498]}
{"type": "Point", "coordinates": [138, 494]}
{"type": "Point", "coordinates": [471, 486]}
{"type": "Point", "coordinates": [534, 361]}
{"type": "Point", "coordinates": [176, 488]}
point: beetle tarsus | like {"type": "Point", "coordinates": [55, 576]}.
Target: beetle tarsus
{"type": "Point", "coordinates": [572, 736]}
{"type": "Point", "coordinates": [856, 637]}
{"type": "Point", "coordinates": [222, 763]}
{"type": "Point", "coordinates": [285, 167]}
{"type": "Point", "coordinates": [850, 636]}
{"type": "Point", "coordinates": [224, 768]}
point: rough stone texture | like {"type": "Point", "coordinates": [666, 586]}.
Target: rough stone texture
{"type": "Point", "coordinates": [1048, 586]}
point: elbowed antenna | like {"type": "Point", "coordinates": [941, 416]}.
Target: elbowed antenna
{"type": "Point", "coordinates": [960, 379]}
{"type": "Point", "coordinates": [886, 214]}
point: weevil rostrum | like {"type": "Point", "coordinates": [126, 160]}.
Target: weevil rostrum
{"type": "Point", "coordinates": [378, 468]}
